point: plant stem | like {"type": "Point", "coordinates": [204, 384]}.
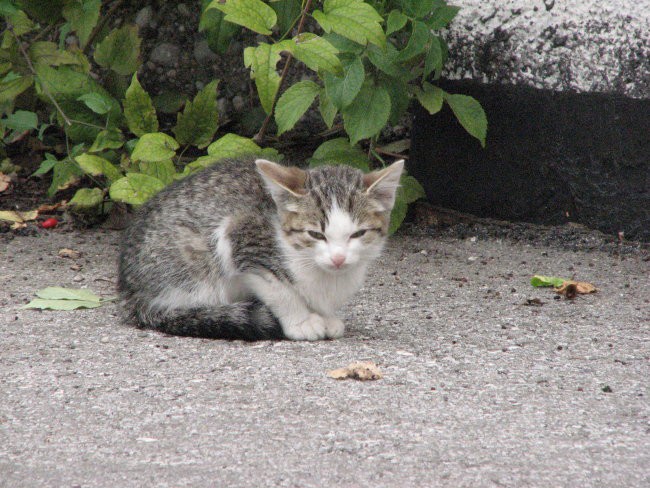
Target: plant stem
{"type": "Point", "coordinates": [33, 70]}
{"type": "Point", "coordinates": [259, 137]}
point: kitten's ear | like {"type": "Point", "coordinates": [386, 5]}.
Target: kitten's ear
{"type": "Point", "coordinates": [282, 179]}
{"type": "Point", "coordinates": [382, 184]}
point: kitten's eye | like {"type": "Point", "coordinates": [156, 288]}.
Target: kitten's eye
{"type": "Point", "coordinates": [358, 233]}
{"type": "Point", "coordinates": [316, 235]}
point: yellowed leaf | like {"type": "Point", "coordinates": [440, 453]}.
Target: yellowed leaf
{"type": "Point", "coordinates": [16, 216]}
{"type": "Point", "coordinates": [4, 182]}
{"type": "Point", "coordinates": [360, 370]}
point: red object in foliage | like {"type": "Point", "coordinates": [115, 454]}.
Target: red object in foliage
{"type": "Point", "coordinates": [50, 223]}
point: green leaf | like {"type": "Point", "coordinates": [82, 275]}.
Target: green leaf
{"type": "Point", "coordinates": [46, 165]}
{"type": "Point", "coordinates": [397, 215]}
{"type": "Point", "coordinates": [163, 170]}
{"type": "Point", "coordinates": [417, 42]}
{"type": "Point", "coordinates": [83, 17]}
{"type": "Point", "coordinates": [47, 11]}
{"type": "Point", "coordinates": [42, 304]}
{"type": "Point", "coordinates": [433, 60]}
{"type": "Point", "coordinates": [395, 21]}
{"type": "Point", "coordinates": [399, 98]}
{"type": "Point", "coordinates": [217, 31]}
{"type": "Point", "coordinates": [410, 189]}
{"type": "Point", "coordinates": [98, 103]}
{"type": "Point", "coordinates": [353, 19]}
{"type": "Point", "coordinates": [156, 146]}
{"type": "Point", "coordinates": [107, 139]}
{"type": "Point", "coordinates": [97, 166]}
{"type": "Point", "coordinates": [368, 114]}
{"type": "Point", "coordinates": [20, 120]}
{"type": "Point", "coordinates": [48, 52]}
{"type": "Point", "coordinates": [65, 173]}
{"type": "Point", "coordinates": [87, 198]}
{"type": "Point", "coordinates": [418, 8]}
{"type": "Point", "coordinates": [12, 88]}
{"type": "Point", "coordinates": [262, 61]}
{"type": "Point", "coordinates": [287, 11]}
{"type": "Point", "coordinates": [60, 293]}
{"type": "Point", "coordinates": [234, 146]}
{"type": "Point", "coordinates": [252, 14]}
{"type": "Point", "coordinates": [135, 188]}
{"type": "Point", "coordinates": [139, 111]}
{"type": "Point", "coordinates": [344, 45]}
{"type": "Point", "coordinates": [326, 108]}
{"type": "Point", "coordinates": [20, 23]}
{"type": "Point", "coordinates": [317, 53]}
{"type": "Point", "coordinates": [120, 50]}
{"type": "Point", "coordinates": [340, 151]}
{"type": "Point", "coordinates": [387, 60]}
{"type": "Point", "coordinates": [294, 103]}
{"type": "Point", "coordinates": [200, 119]}
{"type": "Point", "coordinates": [343, 90]}
{"type": "Point", "coordinates": [543, 281]}
{"type": "Point", "coordinates": [442, 16]}
{"type": "Point", "coordinates": [470, 114]}
{"type": "Point", "coordinates": [430, 97]}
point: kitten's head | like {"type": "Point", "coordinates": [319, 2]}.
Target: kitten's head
{"type": "Point", "coordinates": [333, 216]}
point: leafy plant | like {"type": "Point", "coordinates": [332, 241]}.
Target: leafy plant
{"type": "Point", "coordinates": [367, 60]}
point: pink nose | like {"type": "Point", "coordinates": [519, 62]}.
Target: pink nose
{"type": "Point", "coordinates": [338, 260]}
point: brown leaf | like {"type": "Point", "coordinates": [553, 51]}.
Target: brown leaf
{"type": "Point", "coordinates": [49, 208]}
{"type": "Point", "coordinates": [572, 288]}
{"type": "Point", "coordinates": [363, 371]}
{"type": "Point", "coordinates": [69, 253]}
{"type": "Point", "coordinates": [4, 182]}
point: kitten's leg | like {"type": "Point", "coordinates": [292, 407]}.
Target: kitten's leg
{"type": "Point", "coordinates": [334, 327]}
{"type": "Point", "coordinates": [297, 321]}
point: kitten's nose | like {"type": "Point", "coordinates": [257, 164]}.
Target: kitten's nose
{"type": "Point", "coordinates": [338, 260]}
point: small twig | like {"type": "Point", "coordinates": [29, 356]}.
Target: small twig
{"type": "Point", "coordinates": [259, 137]}
{"type": "Point", "coordinates": [33, 70]}
{"type": "Point", "coordinates": [389, 153]}
{"type": "Point", "coordinates": [100, 25]}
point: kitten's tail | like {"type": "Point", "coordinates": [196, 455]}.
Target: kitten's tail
{"type": "Point", "coordinates": [249, 321]}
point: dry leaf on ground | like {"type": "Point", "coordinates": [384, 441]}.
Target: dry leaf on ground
{"type": "Point", "coordinates": [16, 216]}
{"type": "Point", "coordinates": [69, 253]}
{"type": "Point", "coordinates": [48, 208]}
{"type": "Point", "coordinates": [572, 288]}
{"type": "Point", "coordinates": [360, 370]}
{"type": "Point", "coordinates": [4, 182]}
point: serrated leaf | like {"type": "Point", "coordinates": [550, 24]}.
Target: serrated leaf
{"type": "Point", "coordinates": [49, 53]}
{"type": "Point", "coordinates": [163, 170]}
{"type": "Point", "coordinates": [442, 16]}
{"type": "Point", "coordinates": [83, 17]}
{"type": "Point", "coordinates": [139, 111]}
{"type": "Point", "coordinates": [98, 166]}
{"type": "Point", "coordinates": [344, 45]}
{"type": "Point", "coordinates": [12, 88]}
{"type": "Point", "coordinates": [233, 146]}
{"type": "Point", "coordinates": [120, 50]}
{"type": "Point", "coordinates": [87, 198]}
{"type": "Point", "coordinates": [367, 115]}
{"type": "Point", "coordinates": [252, 14]}
{"type": "Point", "coordinates": [343, 90]}
{"type": "Point", "coordinates": [20, 120]}
{"type": "Point", "coordinates": [353, 19]}
{"type": "Point", "coordinates": [218, 33]}
{"type": "Point", "coordinates": [326, 108]}
{"type": "Point", "coordinates": [65, 173]}
{"type": "Point", "coordinates": [156, 146]}
{"type": "Point", "coordinates": [64, 305]}
{"type": "Point", "coordinates": [387, 60]}
{"type": "Point", "coordinates": [544, 281]}
{"type": "Point", "coordinates": [107, 139]}
{"type": "Point", "coordinates": [293, 103]}
{"type": "Point", "coordinates": [135, 188]}
{"type": "Point", "coordinates": [197, 124]}
{"type": "Point", "coordinates": [430, 97]}
{"type": "Point", "coordinates": [417, 43]}
{"type": "Point", "coordinates": [287, 11]}
{"type": "Point", "coordinates": [317, 53]}
{"type": "Point", "coordinates": [395, 21]}
{"type": "Point", "coordinates": [262, 61]}
{"type": "Point", "coordinates": [96, 102]}
{"type": "Point", "coordinates": [20, 22]}
{"type": "Point", "coordinates": [340, 151]}
{"type": "Point", "coordinates": [470, 114]}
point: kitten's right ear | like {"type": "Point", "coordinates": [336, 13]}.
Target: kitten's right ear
{"type": "Point", "coordinates": [282, 179]}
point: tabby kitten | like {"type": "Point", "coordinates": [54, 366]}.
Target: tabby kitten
{"type": "Point", "coordinates": [255, 250]}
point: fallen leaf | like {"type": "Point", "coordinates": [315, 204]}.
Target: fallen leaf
{"type": "Point", "coordinates": [16, 216]}
{"type": "Point", "coordinates": [363, 371]}
{"type": "Point", "coordinates": [534, 302]}
{"type": "Point", "coordinates": [4, 182]}
{"type": "Point", "coordinates": [539, 281]}
{"type": "Point", "coordinates": [59, 298]}
{"type": "Point", "coordinates": [18, 225]}
{"type": "Point", "coordinates": [69, 253]}
{"type": "Point", "coordinates": [572, 288]}
{"type": "Point", "coordinates": [48, 208]}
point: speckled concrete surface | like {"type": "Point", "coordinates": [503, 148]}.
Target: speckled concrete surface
{"type": "Point", "coordinates": [581, 45]}
{"type": "Point", "coordinates": [480, 389]}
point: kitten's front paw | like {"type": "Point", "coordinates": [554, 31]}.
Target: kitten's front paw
{"type": "Point", "coordinates": [312, 328]}
{"type": "Point", "coordinates": [334, 327]}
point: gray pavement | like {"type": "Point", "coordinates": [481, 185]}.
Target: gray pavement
{"type": "Point", "coordinates": [480, 389]}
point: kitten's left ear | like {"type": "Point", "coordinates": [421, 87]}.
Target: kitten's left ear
{"type": "Point", "coordinates": [383, 184]}
{"type": "Point", "coordinates": [282, 179]}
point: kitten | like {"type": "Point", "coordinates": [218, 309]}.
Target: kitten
{"type": "Point", "coordinates": [255, 250]}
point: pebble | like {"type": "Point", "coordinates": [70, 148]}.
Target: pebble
{"type": "Point", "coordinates": [78, 278]}
{"type": "Point", "coordinates": [238, 103]}
{"type": "Point", "coordinates": [203, 53]}
{"type": "Point", "coordinates": [144, 16]}
{"type": "Point", "coordinates": [165, 54]}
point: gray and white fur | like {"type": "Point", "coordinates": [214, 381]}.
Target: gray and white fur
{"type": "Point", "coordinates": [250, 249]}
